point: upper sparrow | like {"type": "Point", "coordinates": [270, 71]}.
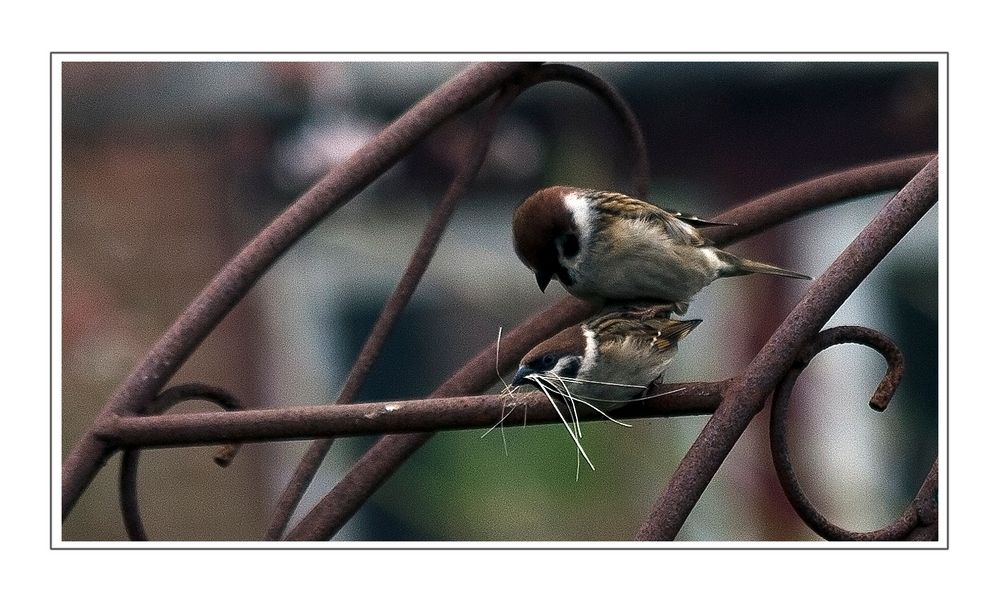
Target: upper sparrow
{"type": "Point", "coordinates": [608, 246]}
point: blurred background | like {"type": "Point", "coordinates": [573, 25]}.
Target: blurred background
{"type": "Point", "coordinates": [169, 168]}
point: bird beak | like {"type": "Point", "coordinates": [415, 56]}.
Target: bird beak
{"type": "Point", "coordinates": [543, 279]}
{"type": "Point", "coordinates": [521, 376]}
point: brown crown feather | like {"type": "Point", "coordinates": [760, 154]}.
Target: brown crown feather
{"type": "Point", "coordinates": [538, 221]}
{"type": "Point", "coordinates": [568, 341]}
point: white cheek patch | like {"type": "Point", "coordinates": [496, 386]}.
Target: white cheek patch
{"type": "Point", "coordinates": [590, 352]}
{"type": "Point", "coordinates": [580, 210]}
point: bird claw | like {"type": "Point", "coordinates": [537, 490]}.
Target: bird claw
{"type": "Point", "coordinates": [652, 387]}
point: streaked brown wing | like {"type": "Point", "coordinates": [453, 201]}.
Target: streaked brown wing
{"type": "Point", "coordinates": [669, 332]}
{"type": "Point", "coordinates": [652, 323]}
{"type": "Point", "coordinates": [673, 223]}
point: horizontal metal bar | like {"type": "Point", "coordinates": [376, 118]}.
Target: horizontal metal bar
{"type": "Point", "coordinates": [385, 457]}
{"type": "Point", "coordinates": [241, 272]}
{"type": "Point", "coordinates": [435, 414]}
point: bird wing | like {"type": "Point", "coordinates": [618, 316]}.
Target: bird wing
{"type": "Point", "coordinates": [652, 324]}
{"type": "Point", "coordinates": [676, 225]}
{"type": "Point", "coordinates": [695, 220]}
{"type": "Point", "coordinates": [668, 332]}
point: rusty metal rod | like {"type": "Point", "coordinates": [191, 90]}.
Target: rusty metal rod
{"type": "Point", "coordinates": [229, 286]}
{"type": "Point", "coordinates": [638, 160]}
{"type": "Point", "coordinates": [895, 530]}
{"type": "Point", "coordinates": [409, 416]}
{"type": "Point", "coordinates": [419, 261]}
{"type": "Point", "coordinates": [639, 164]}
{"type": "Point", "coordinates": [389, 452]}
{"type": "Point", "coordinates": [369, 472]}
{"type": "Point", "coordinates": [638, 156]}
{"type": "Point", "coordinates": [799, 200]}
{"type": "Point", "coordinates": [233, 286]}
{"type": "Point", "coordinates": [746, 397]}
{"type": "Point", "coordinates": [128, 475]}
{"type": "Point", "coordinates": [926, 504]}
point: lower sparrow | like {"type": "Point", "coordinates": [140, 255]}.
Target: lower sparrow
{"type": "Point", "coordinates": [608, 360]}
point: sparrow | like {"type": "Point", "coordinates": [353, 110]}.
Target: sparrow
{"type": "Point", "coordinates": [608, 360]}
{"type": "Point", "coordinates": [605, 246]}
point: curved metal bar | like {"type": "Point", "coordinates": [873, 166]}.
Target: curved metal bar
{"type": "Point", "coordinates": [236, 278]}
{"type": "Point", "coordinates": [793, 202]}
{"type": "Point", "coordinates": [638, 154]}
{"type": "Point", "coordinates": [369, 472]}
{"type": "Point", "coordinates": [909, 520]}
{"type": "Point", "coordinates": [128, 476]}
{"type": "Point", "coordinates": [421, 258]}
{"type": "Point", "coordinates": [340, 185]}
{"type": "Point", "coordinates": [638, 160]}
{"type": "Point", "coordinates": [746, 397]}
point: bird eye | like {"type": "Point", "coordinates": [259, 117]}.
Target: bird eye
{"type": "Point", "coordinates": [570, 246]}
{"type": "Point", "coordinates": [548, 361]}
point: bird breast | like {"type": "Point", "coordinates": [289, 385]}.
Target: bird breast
{"type": "Point", "coordinates": [624, 368]}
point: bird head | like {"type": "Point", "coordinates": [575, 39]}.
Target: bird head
{"type": "Point", "coordinates": [563, 355]}
{"type": "Point", "coordinates": [549, 232]}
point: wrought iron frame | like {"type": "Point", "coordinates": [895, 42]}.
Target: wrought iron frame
{"type": "Point", "coordinates": [132, 419]}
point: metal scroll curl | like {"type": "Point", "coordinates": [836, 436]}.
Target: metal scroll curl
{"type": "Point", "coordinates": [136, 395]}
{"type": "Point", "coordinates": [919, 519]}
{"type": "Point", "coordinates": [128, 476]}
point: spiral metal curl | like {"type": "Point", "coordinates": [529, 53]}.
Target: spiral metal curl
{"type": "Point", "coordinates": [922, 512]}
{"type": "Point", "coordinates": [128, 475]}
{"type": "Point", "coordinates": [136, 395]}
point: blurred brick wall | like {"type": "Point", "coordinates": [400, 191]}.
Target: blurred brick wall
{"type": "Point", "coordinates": [144, 229]}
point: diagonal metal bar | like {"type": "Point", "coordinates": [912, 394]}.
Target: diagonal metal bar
{"type": "Point", "coordinates": [926, 504]}
{"type": "Point", "coordinates": [819, 193]}
{"type": "Point", "coordinates": [746, 396]}
{"type": "Point", "coordinates": [135, 395]}
{"type": "Point", "coordinates": [389, 452]}
{"type": "Point", "coordinates": [905, 523]}
{"type": "Point", "coordinates": [420, 260]}
{"type": "Point", "coordinates": [242, 271]}
{"type": "Point", "coordinates": [638, 160]}
{"type": "Point", "coordinates": [384, 458]}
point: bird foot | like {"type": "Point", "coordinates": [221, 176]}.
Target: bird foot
{"type": "Point", "coordinates": [651, 388]}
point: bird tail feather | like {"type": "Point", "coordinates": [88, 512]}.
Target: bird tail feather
{"type": "Point", "coordinates": [736, 266]}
